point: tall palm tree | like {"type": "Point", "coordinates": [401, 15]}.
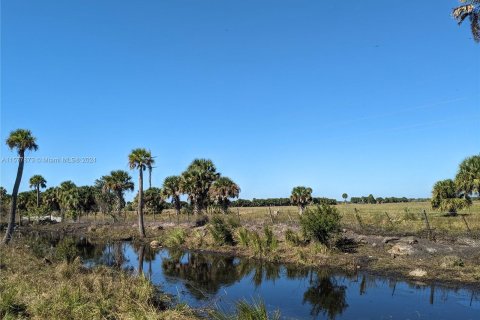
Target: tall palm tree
{"type": "Point", "coordinates": [118, 182]}
{"type": "Point", "coordinates": [139, 159]}
{"type": "Point", "coordinates": [22, 140]}
{"type": "Point", "coordinates": [172, 188]}
{"type": "Point", "coordinates": [222, 190]}
{"type": "Point", "coordinates": [196, 182]}
{"type": "Point", "coordinates": [446, 198]}
{"type": "Point", "coordinates": [150, 163]}
{"type": "Point", "coordinates": [467, 179]}
{"type": "Point", "coordinates": [37, 182]}
{"type": "Point", "coordinates": [301, 196]}
{"type": "Point", "coordinates": [471, 10]}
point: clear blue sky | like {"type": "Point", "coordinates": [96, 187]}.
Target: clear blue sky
{"type": "Point", "coordinates": [352, 96]}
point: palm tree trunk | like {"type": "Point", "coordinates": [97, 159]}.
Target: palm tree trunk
{"type": "Point", "coordinates": [196, 207]}
{"type": "Point", "coordinates": [38, 196]}
{"type": "Point", "coordinates": [149, 177]}
{"type": "Point", "coordinates": [177, 205]}
{"type": "Point", "coordinates": [141, 227]}
{"type": "Point", "coordinates": [13, 206]}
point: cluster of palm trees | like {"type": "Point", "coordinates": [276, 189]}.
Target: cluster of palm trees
{"type": "Point", "coordinates": [452, 195]}
{"type": "Point", "coordinates": [200, 182]}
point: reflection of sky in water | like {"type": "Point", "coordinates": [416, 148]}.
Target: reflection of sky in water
{"type": "Point", "coordinates": [207, 280]}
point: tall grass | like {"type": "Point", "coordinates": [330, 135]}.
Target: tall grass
{"type": "Point", "coordinates": [247, 311]}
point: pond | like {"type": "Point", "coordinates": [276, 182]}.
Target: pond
{"type": "Point", "coordinates": [206, 280]}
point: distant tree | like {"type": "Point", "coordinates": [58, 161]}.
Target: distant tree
{"type": "Point", "coordinates": [379, 200]}
{"type": "Point", "coordinates": [140, 159]}
{"type": "Point", "coordinates": [446, 198]}
{"type": "Point", "coordinates": [222, 190]}
{"type": "Point", "coordinates": [371, 199]}
{"type": "Point", "coordinates": [118, 182]}
{"type": "Point", "coordinates": [22, 140]}
{"type": "Point", "coordinates": [154, 201]}
{"type": "Point", "coordinates": [51, 200]}
{"type": "Point", "coordinates": [172, 188]}
{"type": "Point", "coordinates": [196, 182]}
{"type": "Point", "coordinates": [4, 201]}
{"type": "Point", "coordinates": [37, 182]}
{"type": "Point", "coordinates": [69, 199]}
{"type": "Point", "coordinates": [345, 196]}
{"type": "Point", "coordinates": [471, 10]}
{"type": "Point", "coordinates": [467, 179]}
{"type": "Point", "coordinates": [301, 197]}
{"type": "Point", "coordinates": [150, 162]}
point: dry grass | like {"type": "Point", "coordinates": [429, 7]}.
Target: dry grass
{"type": "Point", "coordinates": [390, 218]}
{"type": "Point", "coordinates": [33, 288]}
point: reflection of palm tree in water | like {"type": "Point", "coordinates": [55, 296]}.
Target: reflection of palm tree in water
{"type": "Point", "coordinates": [203, 274]}
{"type": "Point", "coordinates": [326, 296]}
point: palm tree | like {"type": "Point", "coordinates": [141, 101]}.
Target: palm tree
{"type": "Point", "coordinates": [196, 182]}
{"type": "Point", "coordinates": [345, 196]}
{"type": "Point", "coordinates": [172, 188]}
{"type": "Point", "coordinates": [470, 9]}
{"type": "Point", "coordinates": [139, 159]}
{"type": "Point", "coordinates": [22, 140]}
{"type": "Point", "coordinates": [222, 190]}
{"type": "Point", "coordinates": [467, 179]}
{"type": "Point", "coordinates": [446, 198]}
{"type": "Point", "coordinates": [68, 199]}
{"type": "Point", "coordinates": [154, 200]}
{"type": "Point", "coordinates": [301, 196]}
{"type": "Point", "coordinates": [150, 163]}
{"type": "Point", "coordinates": [118, 182]}
{"type": "Point", "coordinates": [37, 182]}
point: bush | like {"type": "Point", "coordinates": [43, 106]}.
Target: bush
{"type": "Point", "coordinates": [243, 237]}
{"type": "Point", "coordinates": [175, 238]}
{"type": "Point", "coordinates": [318, 223]}
{"type": "Point", "coordinates": [271, 242]}
{"type": "Point", "coordinates": [247, 311]}
{"type": "Point", "coordinates": [292, 238]}
{"type": "Point", "coordinates": [221, 232]}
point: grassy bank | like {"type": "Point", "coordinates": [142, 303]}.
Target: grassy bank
{"type": "Point", "coordinates": [47, 288]}
{"type": "Point", "coordinates": [384, 219]}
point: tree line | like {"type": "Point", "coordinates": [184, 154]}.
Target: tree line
{"type": "Point", "coordinates": [277, 202]}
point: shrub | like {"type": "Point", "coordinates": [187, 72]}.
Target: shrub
{"type": "Point", "coordinates": [66, 250]}
{"type": "Point", "coordinates": [246, 311]}
{"type": "Point", "coordinates": [176, 238]}
{"type": "Point", "coordinates": [243, 237]}
{"type": "Point", "coordinates": [221, 232]}
{"type": "Point", "coordinates": [291, 237]}
{"type": "Point", "coordinates": [318, 223]}
{"type": "Point", "coordinates": [271, 242]}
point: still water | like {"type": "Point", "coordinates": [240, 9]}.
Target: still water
{"type": "Point", "coordinates": [204, 280]}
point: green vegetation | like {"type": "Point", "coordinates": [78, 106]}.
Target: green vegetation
{"type": "Point", "coordinates": [221, 232]}
{"type": "Point", "coordinates": [445, 197]}
{"type": "Point", "coordinates": [320, 222]}
{"type": "Point", "coordinates": [247, 311]}
{"type": "Point", "coordinates": [37, 182]}
{"type": "Point", "coordinates": [196, 182]}
{"type": "Point", "coordinates": [301, 197]}
{"type": "Point", "coordinates": [172, 188]}
{"type": "Point", "coordinates": [222, 190]}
